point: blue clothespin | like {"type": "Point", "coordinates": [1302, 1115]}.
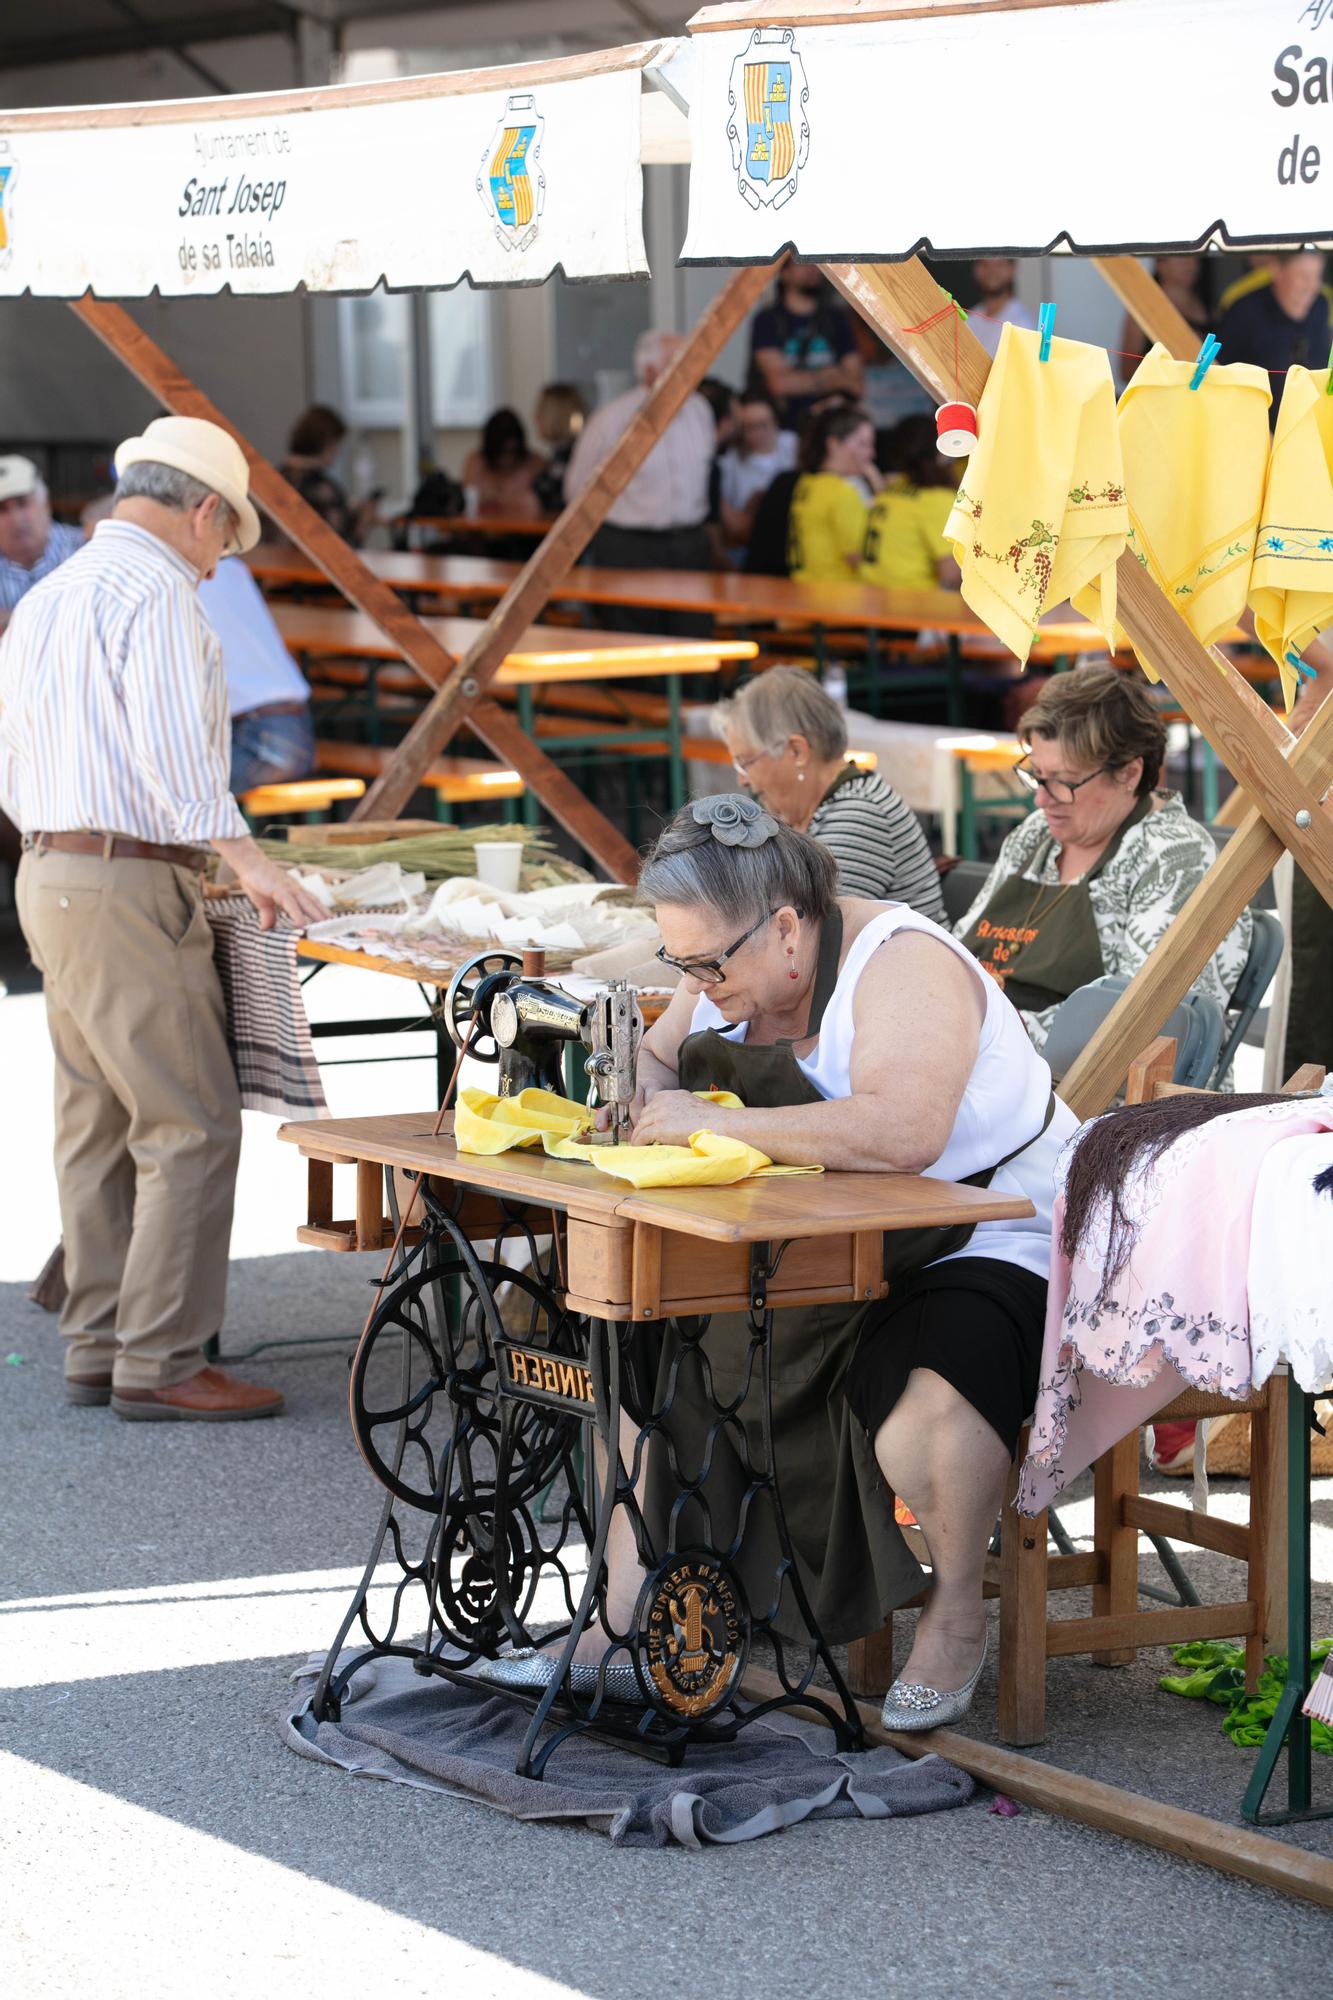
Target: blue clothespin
{"type": "Point", "coordinates": [1046, 327]}
{"type": "Point", "coordinates": [1208, 353]}
{"type": "Point", "coordinates": [1301, 666]}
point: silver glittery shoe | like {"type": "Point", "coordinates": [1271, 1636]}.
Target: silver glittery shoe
{"type": "Point", "coordinates": [527, 1669]}
{"type": "Point", "coordinates": [910, 1705]}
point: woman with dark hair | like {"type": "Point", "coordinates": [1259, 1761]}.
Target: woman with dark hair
{"type": "Point", "coordinates": [500, 474]}
{"type": "Point", "coordinates": [1088, 883]}
{"type": "Point", "coordinates": [313, 445]}
{"type": "Point", "coordinates": [837, 476]}
{"type": "Point", "coordinates": [858, 1036]}
{"type": "Point", "coordinates": [905, 547]}
{"type": "Point", "coordinates": [561, 414]}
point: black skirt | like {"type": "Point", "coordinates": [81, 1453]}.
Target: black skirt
{"type": "Point", "coordinates": [973, 1320]}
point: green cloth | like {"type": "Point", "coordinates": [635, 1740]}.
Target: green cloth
{"type": "Point", "coordinates": [1216, 1672]}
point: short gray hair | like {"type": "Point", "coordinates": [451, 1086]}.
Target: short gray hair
{"type": "Point", "coordinates": [783, 702]}
{"type": "Point", "coordinates": [181, 491]}
{"type": "Point", "coordinates": [652, 351]}
{"type": "Point", "coordinates": [690, 866]}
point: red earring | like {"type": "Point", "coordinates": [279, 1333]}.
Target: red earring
{"type": "Point", "coordinates": [792, 973]}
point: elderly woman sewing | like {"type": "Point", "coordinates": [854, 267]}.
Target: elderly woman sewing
{"type": "Point", "coordinates": [788, 741]}
{"type": "Point", "coordinates": [1088, 883]}
{"type": "Point", "coordinates": [861, 1037]}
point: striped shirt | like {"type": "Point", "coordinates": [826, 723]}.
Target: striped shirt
{"type": "Point", "coordinates": [113, 702]}
{"type": "Point", "coordinates": [877, 842]}
{"type": "Point", "coordinates": [16, 582]}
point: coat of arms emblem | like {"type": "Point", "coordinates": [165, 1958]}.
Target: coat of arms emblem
{"type": "Point", "coordinates": [766, 123]}
{"type": "Point", "coordinates": [510, 181]}
{"type": "Point", "coordinates": [8, 175]}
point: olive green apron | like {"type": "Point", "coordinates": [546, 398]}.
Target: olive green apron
{"type": "Point", "coordinates": [852, 1557]}
{"type": "Point", "coordinates": [1039, 941]}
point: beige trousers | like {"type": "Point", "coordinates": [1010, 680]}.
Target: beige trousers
{"type": "Point", "coordinates": [148, 1115]}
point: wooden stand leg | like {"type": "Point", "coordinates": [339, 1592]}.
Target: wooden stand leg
{"type": "Point", "coordinates": [1268, 1528]}
{"type": "Point", "coordinates": [870, 1664]}
{"type": "Point", "coordinates": [1115, 1476]}
{"type": "Point", "coordinates": [1023, 1580]}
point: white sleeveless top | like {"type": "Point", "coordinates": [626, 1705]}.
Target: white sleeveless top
{"type": "Point", "coordinates": [1003, 1105]}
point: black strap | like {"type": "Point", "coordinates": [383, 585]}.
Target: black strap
{"type": "Point", "coordinates": [826, 969]}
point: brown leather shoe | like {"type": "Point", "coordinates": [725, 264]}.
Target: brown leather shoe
{"type": "Point", "coordinates": [88, 1390]}
{"type": "Point", "coordinates": [210, 1397]}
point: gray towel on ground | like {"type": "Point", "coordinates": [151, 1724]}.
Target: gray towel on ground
{"type": "Point", "coordinates": [465, 1741]}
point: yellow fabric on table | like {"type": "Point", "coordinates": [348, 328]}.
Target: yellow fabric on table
{"type": "Point", "coordinates": [1291, 588]}
{"type": "Point", "coordinates": [485, 1123]}
{"type": "Point", "coordinates": [1195, 464]}
{"type": "Point", "coordinates": [710, 1160]}
{"type": "Point", "coordinates": [1041, 513]}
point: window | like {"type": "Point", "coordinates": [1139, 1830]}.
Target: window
{"type": "Point", "coordinates": [375, 333]}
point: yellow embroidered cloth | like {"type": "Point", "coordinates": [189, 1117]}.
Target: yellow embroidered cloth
{"type": "Point", "coordinates": [487, 1124]}
{"type": "Point", "coordinates": [1041, 512]}
{"type": "Point", "coordinates": [1195, 463]}
{"type": "Point", "coordinates": [1291, 588]}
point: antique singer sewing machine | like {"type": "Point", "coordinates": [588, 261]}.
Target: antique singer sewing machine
{"type": "Point", "coordinates": [503, 1010]}
{"type": "Point", "coordinates": [524, 1311]}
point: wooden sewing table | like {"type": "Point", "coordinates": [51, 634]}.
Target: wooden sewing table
{"type": "Point", "coordinates": [488, 1417]}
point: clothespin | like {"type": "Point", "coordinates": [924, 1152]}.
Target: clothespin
{"type": "Point", "coordinates": [1302, 666]}
{"type": "Point", "coordinates": [957, 308]}
{"type": "Point", "coordinates": [1328, 385]}
{"type": "Point", "coordinates": [1046, 327]}
{"type": "Point", "coordinates": [1208, 353]}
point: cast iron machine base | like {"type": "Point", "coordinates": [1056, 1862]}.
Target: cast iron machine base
{"type": "Point", "coordinates": [471, 1394]}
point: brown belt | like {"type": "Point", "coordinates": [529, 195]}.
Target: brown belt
{"type": "Point", "coordinates": [117, 847]}
{"type": "Point", "coordinates": [274, 708]}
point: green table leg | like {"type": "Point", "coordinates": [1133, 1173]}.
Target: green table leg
{"type": "Point", "coordinates": [1209, 782]}
{"type": "Point", "coordinates": [677, 779]}
{"type": "Point", "coordinates": [527, 715]}
{"type": "Point", "coordinates": [967, 813]}
{"type": "Point", "coordinates": [954, 683]}
{"type": "Point", "coordinates": [1289, 1725]}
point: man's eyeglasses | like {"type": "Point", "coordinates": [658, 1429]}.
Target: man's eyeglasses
{"type": "Point", "coordinates": [1059, 790]}
{"type": "Point", "coordinates": [712, 971]}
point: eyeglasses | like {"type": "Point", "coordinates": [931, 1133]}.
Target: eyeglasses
{"type": "Point", "coordinates": [746, 764]}
{"type": "Point", "coordinates": [1059, 790]}
{"type": "Point", "coordinates": [711, 971]}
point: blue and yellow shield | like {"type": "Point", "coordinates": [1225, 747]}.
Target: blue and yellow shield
{"type": "Point", "coordinates": [767, 123]}
{"type": "Point", "coordinates": [8, 173]}
{"type": "Point", "coordinates": [510, 181]}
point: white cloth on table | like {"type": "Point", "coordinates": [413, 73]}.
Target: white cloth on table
{"type": "Point", "coordinates": [1291, 1264]}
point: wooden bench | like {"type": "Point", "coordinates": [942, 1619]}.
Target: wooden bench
{"type": "Point", "coordinates": [455, 781]}
{"type": "Point", "coordinates": [312, 797]}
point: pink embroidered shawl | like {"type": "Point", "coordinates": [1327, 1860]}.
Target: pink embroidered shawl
{"type": "Point", "coordinates": [1178, 1314]}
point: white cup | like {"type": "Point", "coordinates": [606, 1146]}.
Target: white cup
{"type": "Point", "coordinates": [499, 862]}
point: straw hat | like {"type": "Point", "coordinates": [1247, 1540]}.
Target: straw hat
{"type": "Point", "coordinates": [209, 454]}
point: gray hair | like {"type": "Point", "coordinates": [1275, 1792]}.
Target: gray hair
{"type": "Point", "coordinates": [147, 480]}
{"type": "Point", "coordinates": [652, 351]}
{"type": "Point", "coordinates": [689, 865]}
{"type": "Point", "coordinates": [783, 702]}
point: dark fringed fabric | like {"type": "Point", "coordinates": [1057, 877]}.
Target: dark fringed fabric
{"type": "Point", "coordinates": [1133, 1138]}
{"type": "Point", "coordinates": [1323, 1183]}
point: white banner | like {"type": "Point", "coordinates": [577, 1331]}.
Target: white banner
{"type": "Point", "coordinates": [503, 186]}
{"type": "Point", "coordinates": [1106, 126]}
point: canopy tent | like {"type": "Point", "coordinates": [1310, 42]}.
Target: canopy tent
{"type": "Point", "coordinates": [491, 175]}
{"type": "Point", "coordinates": [851, 132]}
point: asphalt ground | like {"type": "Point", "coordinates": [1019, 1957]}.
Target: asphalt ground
{"type": "Point", "coordinates": [159, 1583]}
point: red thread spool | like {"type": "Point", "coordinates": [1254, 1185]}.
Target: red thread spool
{"type": "Point", "coordinates": [956, 429]}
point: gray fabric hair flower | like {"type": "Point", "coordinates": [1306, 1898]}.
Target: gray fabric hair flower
{"type": "Point", "coordinates": [735, 819]}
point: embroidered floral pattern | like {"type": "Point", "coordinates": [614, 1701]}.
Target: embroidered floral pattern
{"type": "Point", "coordinates": [1297, 544]}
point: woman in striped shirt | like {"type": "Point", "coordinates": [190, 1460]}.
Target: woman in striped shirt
{"type": "Point", "coordinates": [788, 741]}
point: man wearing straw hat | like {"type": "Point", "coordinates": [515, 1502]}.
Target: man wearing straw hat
{"type": "Point", "coordinates": [113, 762]}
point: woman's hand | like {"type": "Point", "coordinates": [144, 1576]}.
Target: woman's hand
{"type": "Point", "coordinates": [602, 1116]}
{"type": "Point", "coordinates": [670, 1116]}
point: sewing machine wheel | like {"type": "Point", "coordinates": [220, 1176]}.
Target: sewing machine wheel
{"type": "Point", "coordinates": [466, 1595]}
{"type": "Point", "coordinates": [464, 994]}
{"type": "Point", "coordinates": [438, 1313]}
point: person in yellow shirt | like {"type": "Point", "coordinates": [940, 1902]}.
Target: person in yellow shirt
{"type": "Point", "coordinates": [838, 476]}
{"type": "Point", "coordinates": [904, 545]}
